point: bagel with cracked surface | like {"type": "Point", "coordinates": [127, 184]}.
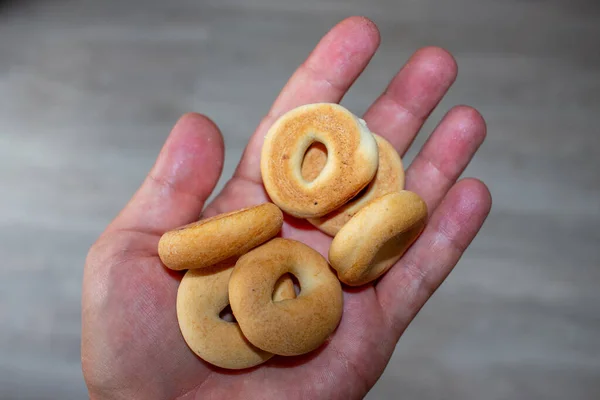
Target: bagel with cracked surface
{"type": "Point", "coordinates": [351, 162]}
{"type": "Point", "coordinates": [213, 240]}
{"type": "Point", "coordinates": [375, 238]}
{"type": "Point", "coordinates": [289, 327]}
{"type": "Point", "coordinates": [201, 297]}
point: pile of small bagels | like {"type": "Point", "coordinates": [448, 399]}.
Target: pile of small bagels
{"type": "Point", "coordinates": [319, 163]}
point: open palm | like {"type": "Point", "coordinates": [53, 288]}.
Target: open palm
{"type": "Point", "coordinates": [131, 343]}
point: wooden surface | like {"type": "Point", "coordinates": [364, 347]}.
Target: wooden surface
{"type": "Point", "coordinates": [90, 89]}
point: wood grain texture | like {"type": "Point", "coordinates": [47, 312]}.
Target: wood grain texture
{"type": "Point", "coordinates": [90, 90]}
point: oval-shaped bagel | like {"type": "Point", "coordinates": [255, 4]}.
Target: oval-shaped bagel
{"type": "Point", "coordinates": [371, 242]}
{"type": "Point", "coordinates": [289, 327]}
{"type": "Point", "coordinates": [389, 178]}
{"type": "Point", "coordinates": [202, 295]}
{"type": "Point", "coordinates": [210, 241]}
{"type": "Point", "coordinates": [351, 162]}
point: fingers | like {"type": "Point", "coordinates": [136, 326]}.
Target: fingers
{"type": "Point", "coordinates": [446, 154]}
{"type": "Point", "coordinates": [399, 113]}
{"type": "Point", "coordinates": [453, 224]}
{"type": "Point", "coordinates": [409, 284]}
{"type": "Point", "coordinates": [325, 76]}
{"type": "Point", "coordinates": [185, 173]}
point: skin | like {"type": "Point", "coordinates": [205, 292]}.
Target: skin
{"type": "Point", "coordinates": [131, 344]}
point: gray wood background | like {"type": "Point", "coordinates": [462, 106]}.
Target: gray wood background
{"type": "Point", "coordinates": [90, 89]}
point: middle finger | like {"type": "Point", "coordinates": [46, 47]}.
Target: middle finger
{"type": "Point", "coordinates": [399, 113]}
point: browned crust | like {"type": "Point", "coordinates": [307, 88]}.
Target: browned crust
{"type": "Point", "coordinates": [390, 223]}
{"type": "Point", "coordinates": [208, 242]}
{"type": "Point", "coordinates": [355, 167]}
{"type": "Point", "coordinates": [291, 327]}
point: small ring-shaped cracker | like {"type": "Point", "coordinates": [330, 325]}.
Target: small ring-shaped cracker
{"type": "Point", "coordinates": [213, 240]}
{"type": "Point", "coordinates": [371, 242]}
{"type": "Point", "coordinates": [351, 162]}
{"type": "Point", "coordinates": [290, 327]}
{"type": "Point", "coordinates": [202, 295]}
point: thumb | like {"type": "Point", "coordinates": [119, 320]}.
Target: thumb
{"type": "Point", "coordinates": [183, 177]}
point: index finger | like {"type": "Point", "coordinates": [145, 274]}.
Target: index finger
{"type": "Point", "coordinates": [325, 76]}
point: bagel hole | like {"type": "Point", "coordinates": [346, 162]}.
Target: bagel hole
{"type": "Point", "coordinates": [297, 287]}
{"type": "Point", "coordinates": [227, 315]}
{"type": "Point", "coordinates": [314, 161]}
{"type": "Point", "coordinates": [295, 282]}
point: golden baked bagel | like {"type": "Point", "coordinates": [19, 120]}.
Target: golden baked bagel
{"type": "Point", "coordinates": [201, 297]}
{"type": "Point", "coordinates": [371, 242]}
{"type": "Point", "coordinates": [352, 158]}
{"type": "Point", "coordinates": [210, 241]}
{"type": "Point", "coordinates": [389, 178]}
{"type": "Point", "coordinates": [289, 327]}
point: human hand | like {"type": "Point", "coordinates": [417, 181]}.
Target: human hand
{"type": "Point", "coordinates": [131, 343]}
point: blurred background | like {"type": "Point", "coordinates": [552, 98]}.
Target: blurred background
{"type": "Point", "coordinates": [90, 89]}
